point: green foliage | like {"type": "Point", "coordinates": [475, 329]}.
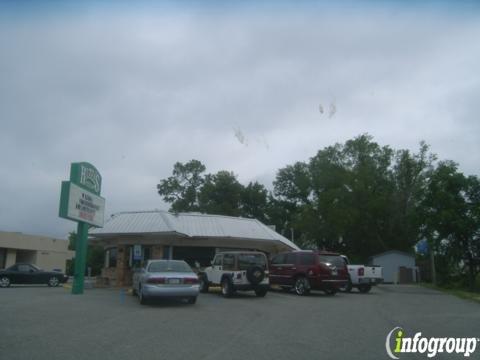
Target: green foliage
{"type": "Point", "coordinates": [253, 199]}
{"type": "Point", "coordinates": [95, 257]}
{"type": "Point", "coordinates": [183, 187]}
{"type": "Point", "coordinates": [221, 194]}
{"type": "Point", "coordinates": [357, 197]}
{"type": "Point", "coordinates": [451, 217]}
{"type": "Point", "coordinates": [189, 189]}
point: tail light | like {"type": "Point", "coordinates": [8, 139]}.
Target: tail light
{"type": "Point", "coordinates": [361, 271]}
{"type": "Point", "coordinates": [157, 280]}
{"type": "Point", "coordinates": [190, 280]}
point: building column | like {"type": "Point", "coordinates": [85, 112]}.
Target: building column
{"type": "Point", "coordinates": [122, 265]}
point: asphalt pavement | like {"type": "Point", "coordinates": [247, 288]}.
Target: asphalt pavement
{"type": "Point", "coordinates": [50, 323]}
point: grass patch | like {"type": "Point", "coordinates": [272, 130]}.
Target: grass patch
{"type": "Point", "coordinates": [461, 293]}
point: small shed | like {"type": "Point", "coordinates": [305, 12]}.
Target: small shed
{"type": "Point", "coordinates": [398, 266]}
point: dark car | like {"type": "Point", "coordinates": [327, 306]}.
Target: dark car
{"type": "Point", "coordinates": [30, 274]}
{"type": "Point", "coordinates": [309, 270]}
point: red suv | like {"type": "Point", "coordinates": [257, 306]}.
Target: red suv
{"type": "Point", "coordinates": [309, 270]}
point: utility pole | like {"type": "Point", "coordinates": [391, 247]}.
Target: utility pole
{"type": "Point", "coordinates": [432, 265]}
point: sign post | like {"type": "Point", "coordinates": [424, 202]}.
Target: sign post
{"type": "Point", "coordinates": [80, 201]}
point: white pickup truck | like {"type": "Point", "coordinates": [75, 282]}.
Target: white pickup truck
{"type": "Point", "coordinates": [362, 277]}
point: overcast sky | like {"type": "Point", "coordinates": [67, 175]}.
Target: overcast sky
{"type": "Point", "coordinates": [244, 88]}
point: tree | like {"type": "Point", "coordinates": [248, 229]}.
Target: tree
{"type": "Point", "coordinates": [221, 194]}
{"type": "Point", "coordinates": [410, 175]}
{"type": "Point", "coordinates": [95, 256]}
{"type": "Point", "coordinates": [451, 217]}
{"type": "Point", "coordinates": [183, 187]}
{"type": "Point", "coordinates": [253, 199]}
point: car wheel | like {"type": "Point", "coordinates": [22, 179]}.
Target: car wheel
{"type": "Point", "coordinates": [302, 286]}
{"type": "Point", "coordinates": [227, 288]}
{"type": "Point", "coordinates": [255, 275]}
{"type": "Point", "coordinates": [4, 282]}
{"type": "Point", "coordinates": [53, 281]}
{"type": "Point", "coordinates": [364, 288]}
{"type": "Point", "coordinates": [347, 287]}
{"type": "Point", "coordinates": [203, 283]}
{"type": "Point", "coordinates": [330, 291]}
{"type": "Point", "coordinates": [141, 297]}
{"type": "Point", "coordinates": [261, 292]}
{"type": "Point", "coordinates": [192, 300]}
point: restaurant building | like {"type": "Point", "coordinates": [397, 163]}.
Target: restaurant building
{"type": "Point", "coordinates": [131, 238]}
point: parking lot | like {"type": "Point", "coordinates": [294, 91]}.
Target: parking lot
{"type": "Point", "coordinates": [49, 323]}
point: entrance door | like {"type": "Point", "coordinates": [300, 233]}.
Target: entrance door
{"type": "Point", "coordinates": [3, 257]}
{"type": "Point", "coordinates": [217, 266]}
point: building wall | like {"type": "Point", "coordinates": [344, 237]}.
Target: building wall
{"type": "Point", "coordinates": [51, 260]}
{"type": "Point", "coordinates": [47, 253]}
{"type": "Point", "coordinates": [11, 257]}
{"type": "Point", "coordinates": [391, 263]}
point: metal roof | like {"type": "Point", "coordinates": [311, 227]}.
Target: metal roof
{"type": "Point", "coordinates": [188, 225]}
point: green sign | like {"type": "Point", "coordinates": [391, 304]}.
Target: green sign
{"type": "Point", "coordinates": [86, 176]}
{"type": "Point", "coordinates": [80, 201]}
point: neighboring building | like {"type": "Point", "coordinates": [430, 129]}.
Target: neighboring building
{"type": "Point", "coordinates": [47, 253]}
{"type": "Point", "coordinates": [130, 238]}
{"type": "Point", "coordinates": [398, 266]}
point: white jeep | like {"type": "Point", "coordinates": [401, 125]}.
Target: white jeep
{"type": "Point", "coordinates": [237, 270]}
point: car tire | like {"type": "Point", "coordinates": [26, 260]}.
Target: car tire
{"type": "Point", "coordinates": [330, 291]}
{"type": "Point", "coordinates": [227, 287]}
{"type": "Point", "coordinates": [4, 281]}
{"type": "Point", "coordinates": [141, 297]}
{"type": "Point", "coordinates": [261, 292]}
{"type": "Point", "coordinates": [348, 287]}
{"type": "Point", "coordinates": [53, 281]}
{"type": "Point", "coordinates": [301, 286]}
{"type": "Point", "coordinates": [192, 300]}
{"type": "Point", "coordinates": [203, 280]}
{"type": "Point", "coordinates": [364, 288]}
{"type": "Point", "coordinates": [255, 275]}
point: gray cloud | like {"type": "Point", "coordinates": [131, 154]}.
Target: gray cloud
{"type": "Point", "coordinates": [133, 92]}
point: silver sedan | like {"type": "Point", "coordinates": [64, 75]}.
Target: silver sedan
{"type": "Point", "coordinates": [166, 279]}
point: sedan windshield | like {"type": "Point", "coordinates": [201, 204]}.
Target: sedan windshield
{"type": "Point", "coordinates": [169, 266]}
{"type": "Point", "coordinates": [247, 260]}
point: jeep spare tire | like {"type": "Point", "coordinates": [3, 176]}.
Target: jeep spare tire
{"type": "Point", "coordinates": [255, 275]}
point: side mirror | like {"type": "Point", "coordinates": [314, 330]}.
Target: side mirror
{"type": "Point", "coordinates": [31, 270]}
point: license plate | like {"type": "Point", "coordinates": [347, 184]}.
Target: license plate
{"type": "Point", "coordinates": [334, 272]}
{"type": "Point", "coordinates": [174, 281]}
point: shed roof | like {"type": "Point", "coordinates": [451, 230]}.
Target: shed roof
{"type": "Point", "coordinates": [188, 225]}
{"type": "Point", "coordinates": [392, 252]}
